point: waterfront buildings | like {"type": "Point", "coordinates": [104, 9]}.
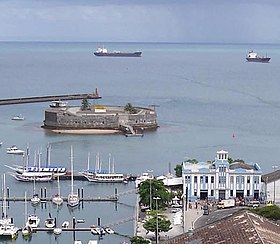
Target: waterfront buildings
{"type": "Point", "coordinates": [221, 179]}
{"type": "Point", "coordinates": [271, 187]}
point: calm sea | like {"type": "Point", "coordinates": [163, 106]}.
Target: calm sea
{"type": "Point", "coordinates": [204, 94]}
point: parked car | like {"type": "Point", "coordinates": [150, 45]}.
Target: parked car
{"type": "Point", "coordinates": [175, 210]}
{"type": "Point", "coordinates": [205, 209]}
{"type": "Point", "coordinates": [253, 204]}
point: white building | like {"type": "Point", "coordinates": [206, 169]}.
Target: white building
{"type": "Point", "coordinates": [271, 187]}
{"type": "Point", "coordinates": [221, 179]}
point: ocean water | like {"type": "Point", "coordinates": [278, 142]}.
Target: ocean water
{"type": "Point", "coordinates": [204, 94]}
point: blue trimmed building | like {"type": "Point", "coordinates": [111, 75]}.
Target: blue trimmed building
{"type": "Point", "coordinates": [221, 179]}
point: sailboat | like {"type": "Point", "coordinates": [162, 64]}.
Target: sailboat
{"type": "Point", "coordinates": [73, 198]}
{"type": "Point", "coordinates": [35, 200]}
{"type": "Point", "coordinates": [33, 221]}
{"type": "Point", "coordinates": [56, 198]}
{"type": "Point", "coordinates": [50, 222]}
{"type": "Point", "coordinates": [26, 230]}
{"type": "Point", "coordinates": [7, 227]}
{"type": "Point", "coordinates": [103, 176]}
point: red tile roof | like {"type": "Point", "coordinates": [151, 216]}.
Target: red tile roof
{"type": "Point", "coordinates": [240, 228]}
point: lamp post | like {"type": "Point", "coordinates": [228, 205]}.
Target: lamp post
{"type": "Point", "coordinates": [150, 178]}
{"type": "Point", "coordinates": [156, 198]}
{"type": "Point", "coordinates": [274, 168]}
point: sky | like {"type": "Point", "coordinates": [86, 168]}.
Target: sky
{"type": "Point", "coordinates": [214, 21]}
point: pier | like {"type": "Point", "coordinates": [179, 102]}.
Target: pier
{"type": "Point", "coordinates": [49, 199]}
{"type": "Point", "coordinates": [20, 100]}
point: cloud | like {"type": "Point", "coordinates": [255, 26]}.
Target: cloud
{"type": "Point", "coordinates": [146, 20]}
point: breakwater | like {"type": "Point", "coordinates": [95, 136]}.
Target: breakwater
{"type": "Point", "coordinates": [10, 101]}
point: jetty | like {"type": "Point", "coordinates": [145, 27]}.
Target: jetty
{"type": "Point", "coordinates": [49, 199]}
{"type": "Point", "coordinates": [10, 101]}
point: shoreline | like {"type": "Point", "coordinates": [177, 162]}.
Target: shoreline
{"type": "Point", "coordinates": [86, 132]}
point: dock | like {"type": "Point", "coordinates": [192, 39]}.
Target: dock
{"type": "Point", "coordinates": [49, 199]}
{"type": "Point", "coordinates": [20, 100]}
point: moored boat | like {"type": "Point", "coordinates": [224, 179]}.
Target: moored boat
{"type": "Point", "coordinates": [97, 230]}
{"type": "Point", "coordinates": [33, 221]}
{"type": "Point", "coordinates": [26, 231]}
{"type": "Point", "coordinates": [7, 226]}
{"type": "Point", "coordinates": [14, 150]}
{"type": "Point", "coordinates": [35, 200]}
{"type": "Point", "coordinates": [50, 222]}
{"type": "Point", "coordinates": [145, 176]}
{"type": "Point", "coordinates": [58, 104]}
{"type": "Point", "coordinates": [37, 168]}
{"type": "Point", "coordinates": [55, 170]}
{"type": "Point", "coordinates": [254, 57]}
{"type": "Point", "coordinates": [18, 117]}
{"type": "Point", "coordinates": [104, 177]}
{"type": "Point", "coordinates": [31, 176]}
{"type": "Point", "coordinates": [103, 52]}
{"type": "Point", "coordinates": [57, 231]}
{"type": "Point", "coordinates": [65, 225]}
{"type": "Point", "coordinates": [99, 175]}
{"type": "Point", "coordinates": [73, 199]}
{"type": "Point", "coordinates": [108, 230]}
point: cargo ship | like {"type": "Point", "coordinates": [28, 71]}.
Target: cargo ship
{"type": "Point", "coordinates": [254, 57]}
{"type": "Point", "coordinates": [103, 52]}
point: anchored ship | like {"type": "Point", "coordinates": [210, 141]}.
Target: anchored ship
{"type": "Point", "coordinates": [103, 52]}
{"type": "Point", "coordinates": [254, 57]}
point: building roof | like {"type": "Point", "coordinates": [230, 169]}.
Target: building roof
{"type": "Point", "coordinates": [270, 177]}
{"type": "Point", "coordinates": [241, 227]}
{"type": "Point", "coordinates": [239, 165]}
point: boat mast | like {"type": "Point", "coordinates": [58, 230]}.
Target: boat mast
{"type": "Point", "coordinates": [109, 163]}
{"type": "Point", "coordinates": [58, 185]}
{"type": "Point", "coordinates": [25, 208]}
{"type": "Point", "coordinates": [48, 160]}
{"type": "Point", "coordinates": [88, 162]}
{"type": "Point", "coordinates": [35, 158]}
{"type": "Point", "coordinates": [113, 167]}
{"type": "Point", "coordinates": [33, 185]}
{"type": "Point", "coordinates": [72, 176]}
{"type": "Point", "coordinates": [27, 157]}
{"type": "Point", "coordinates": [4, 198]}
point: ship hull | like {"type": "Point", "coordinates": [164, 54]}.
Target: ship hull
{"type": "Point", "coordinates": [258, 60]}
{"type": "Point", "coordinates": [117, 54]}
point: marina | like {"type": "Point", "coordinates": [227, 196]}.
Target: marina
{"type": "Point", "coordinates": [193, 100]}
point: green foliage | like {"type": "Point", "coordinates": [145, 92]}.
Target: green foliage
{"type": "Point", "coordinates": [138, 240]}
{"type": "Point", "coordinates": [193, 161]}
{"type": "Point", "coordinates": [239, 160]}
{"type": "Point", "coordinates": [178, 170]}
{"type": "Point", "coordinates": [157, 190]}
{"type": "Point", "coordinates": [230, 160]}
{"type": "Point", "coordinates": [163, 224]}
{"type": "Point", "coordinates": [270, 212]}
{"type": "Point", "coordinates": [85, 104]}
{"type": "Point", "coordinates": [129, 108]}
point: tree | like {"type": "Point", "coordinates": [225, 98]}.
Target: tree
{"type": "Point", "coordinates": [178, 170]}
{"type": "Point", "coordinates": [157, 190]}
{"type": "Point", "coordinates": [129, 108]}
{"type": "Point", "coordinates": [163, 224]}
{"type": "Point", "coordinates": [85, 104]}
{"type": "Point", "coordinates": [193, 161]}
{"type": "Point", "coordinates": [270, 212]}
{"type": "Point", "coordinates": [138, 240]}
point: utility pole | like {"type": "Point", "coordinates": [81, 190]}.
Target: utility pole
{"type": "Point", "coordinates": [150, 178]}
{"type": "Point", "coordinates": [156, 198]}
